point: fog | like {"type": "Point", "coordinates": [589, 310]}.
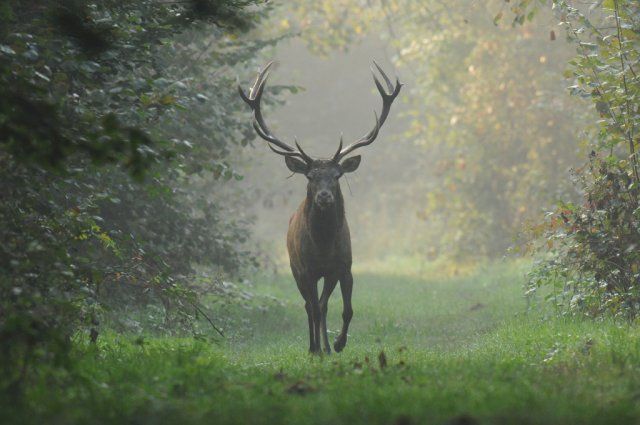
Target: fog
{"type": "Point", "coordinates": [394, 200]}
{"type": "Point", "coordinates": [338, 97]}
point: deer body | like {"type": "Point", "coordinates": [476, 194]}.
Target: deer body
{"type": "Point", "coordinates": [319, 246]}
{"type": "Point", "coordinates": [318, 239]}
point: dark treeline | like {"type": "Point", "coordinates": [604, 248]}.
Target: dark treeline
{"type": "Point", "coordinates": [97, 157]}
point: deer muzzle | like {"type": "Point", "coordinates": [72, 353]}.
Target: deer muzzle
{"type": "Point", "coordinates": [324, 199]}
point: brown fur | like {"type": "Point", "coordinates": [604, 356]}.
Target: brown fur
{"type": "Point", "coordinates": [319, 246]}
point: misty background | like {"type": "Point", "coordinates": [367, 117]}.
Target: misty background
{"type": "Point", "coordinates": [423, 190]}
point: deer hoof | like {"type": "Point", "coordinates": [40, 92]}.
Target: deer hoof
{"type": "Point", "coordinates": [339, 344]}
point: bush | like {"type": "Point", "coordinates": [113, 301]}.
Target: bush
{"type": "Point", "coordinates": [594, 245]}
{"type": "Point", "coordinates": [103, 128]}
{"type": "Point", "coordinates": [596, 257]}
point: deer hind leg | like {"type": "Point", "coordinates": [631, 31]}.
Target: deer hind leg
{"type": "Point", "coordinates": [329, 285]}
{"type": "Point", "coordinates": [346, 286]}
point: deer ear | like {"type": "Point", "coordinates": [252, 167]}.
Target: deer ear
{"type": "Point", "coordinates": [350, 164]}
{"type": "Point", "coordinates": [295, 165]}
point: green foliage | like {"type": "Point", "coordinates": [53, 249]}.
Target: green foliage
{"type": "Point", "coordinates": [92, 94]}
{"type": "Point", "coordinates": [596, 262]}
{"type": "Point", "coordinates": [595, 242]}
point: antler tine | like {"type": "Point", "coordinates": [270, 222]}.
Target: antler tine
{"type": "Point", "coordinates": [262, 76]}
{"type": "Point", "coordinates": [386, 79]}
{"type": "Point", "coordinates": [306, 157]}
{"type": "Point", "coordinates": [387, 98]}
{"type": "Point", "coordinates": [299, 154]}
{"type": "Point", "coordinates": [253, 100]}
{"type": "Point", "coordinates": [363, 141]}
{"type": "Point", "coordinates": [387, 101]}
{"type": "Point", "coordinates": [336, 156]}
{"type": "Point", "coordinates": [285, 153]}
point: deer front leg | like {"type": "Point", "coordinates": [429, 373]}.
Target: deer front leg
{"type": "Point", "coordinates": [307, 307]}
{"type": "Point", "coordinates": [329, 285]}
{"type": "Point", "coordinates": [346, 285]}
{"type": "Point", "coordinates": [315, 315]}
{"type": "Point", "coordinates": [304, 286]}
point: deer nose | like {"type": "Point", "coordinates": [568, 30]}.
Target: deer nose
{"type": "Point", "coordinates": [324, 197]}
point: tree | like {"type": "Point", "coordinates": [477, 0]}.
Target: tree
{"type": "Point", "coordinates": [92, 94]}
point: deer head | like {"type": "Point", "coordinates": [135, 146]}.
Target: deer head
{"type": "Point", "coordinates": [322, 174]}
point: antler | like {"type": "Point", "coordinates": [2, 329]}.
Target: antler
{"type": "Point", "coordinates": [299, 153]}
{"type": "Point", "coordinates": [387, 100]}
{"type": "Point", "coordinates": [253, 100]}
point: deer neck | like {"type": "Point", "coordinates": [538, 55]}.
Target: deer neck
{"type": "Point", "coordinates": [324, 224]}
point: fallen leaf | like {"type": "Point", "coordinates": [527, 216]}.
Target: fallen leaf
{"type": "Point", "coordinates": [300, 388]}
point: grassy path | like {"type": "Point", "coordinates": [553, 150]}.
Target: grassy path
{"type": "Point", "coordinates": [458, 351]}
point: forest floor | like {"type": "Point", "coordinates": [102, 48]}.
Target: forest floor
{"type": "Point", "coordinates": [459, 350]}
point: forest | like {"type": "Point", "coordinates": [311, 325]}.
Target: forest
{"type": "Point", "coordinates": [176, 179]}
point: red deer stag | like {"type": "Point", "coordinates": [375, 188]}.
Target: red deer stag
{"type": "Point", "coordinates": [318, 239]}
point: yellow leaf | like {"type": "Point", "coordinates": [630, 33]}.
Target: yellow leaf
{"type": "Point", "coordinates": [167, 99]}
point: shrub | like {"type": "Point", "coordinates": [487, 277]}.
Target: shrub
{"type": "Point", "coordinates": [595, 244]}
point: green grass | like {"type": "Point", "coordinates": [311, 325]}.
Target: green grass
{"type": "Point", "coordinates": [459, 350]}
